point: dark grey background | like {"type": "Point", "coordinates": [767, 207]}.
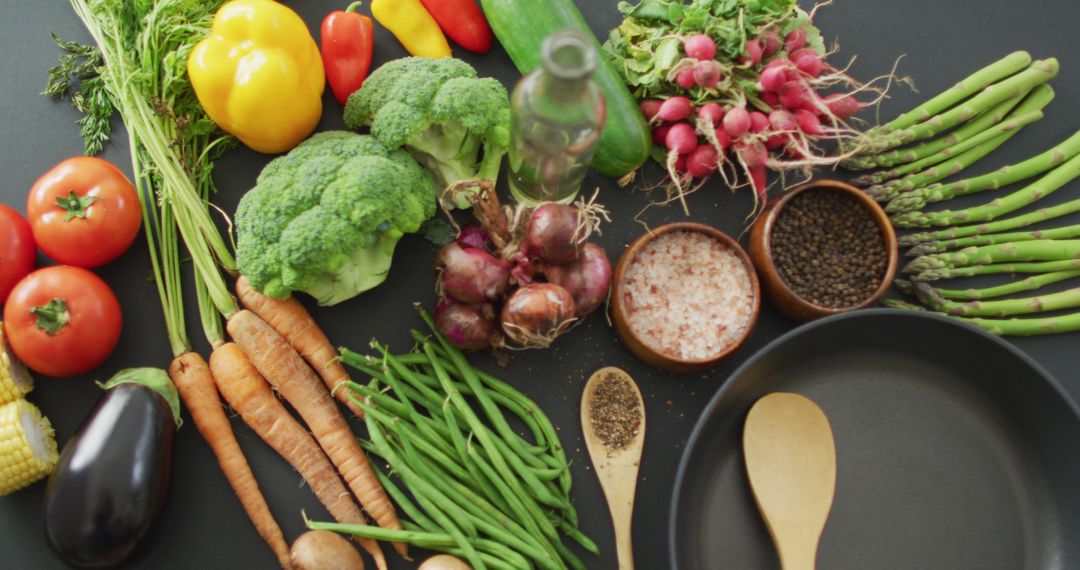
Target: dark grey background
{"type": "Point", "coordinates": [204, 527]}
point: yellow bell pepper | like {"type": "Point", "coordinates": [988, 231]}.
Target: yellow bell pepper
{"type": "Point", "coordinates": [259, 75]}
{"type": "Point", "coordinates": [413, 26]}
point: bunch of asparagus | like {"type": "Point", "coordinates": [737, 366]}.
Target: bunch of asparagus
{"type": "Point", "coordinates": [467, 483]}
{"type": "Point", "coordinates": [951, 132]}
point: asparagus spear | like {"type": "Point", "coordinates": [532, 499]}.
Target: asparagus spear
{"type": "Point", "coordinates": [932, 247]}
{"type": "Point", "coordinates": [1018, 286]}
{"type": "Point", "coordinates": [967, 87]}
{"type": "Point", "coordinates": [1013, 124]}
{"type": "Point", "coordinates": [1029, 327]}
{"type": "Point", "coordinates": [898, 304]}
{"type": "Point", "coordinates": [920, 197]}
{"type": "Point", "coordinates": [1021, 221]}
{"type": "Point", "coordinates": [1002, 308]}
{"type": "Point", "coordinates": [1035, 250]}
{"type": "Point", "coordinates": [998, 268]}
{"type": "Point", "coordinates": [1044, 186]}
{"type": "Point", "coordinates": [1037, 73]}
{"type": "Point", "coordinates": [984, 121]}
{"type": "Point", "coordinates": [1037, 99]}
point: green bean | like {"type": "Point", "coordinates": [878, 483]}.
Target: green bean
{"type": "Point", "coordinates": [483, 546]}
{"type": "Point", "coordinates": [408, 431]}
{"type": "Point", "coordinates": [429, 497]}
{"type": "Point", "coordinates": [404, 503]}
{"type": "Point", "coordinates": [473, 506]}
{"type": "Point", "coordinates": [571, 530]}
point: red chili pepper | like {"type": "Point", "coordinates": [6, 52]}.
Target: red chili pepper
{"type": "Point", "coordinates": [463, 22]}
{"type": "Point", "coordinates": [347, 41]}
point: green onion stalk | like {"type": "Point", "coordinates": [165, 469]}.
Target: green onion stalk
{"type": "Point", "coordinates": [138, 69]}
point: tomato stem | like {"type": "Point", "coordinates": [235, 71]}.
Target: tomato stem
{"type": "Point", "coordinates": [52, 316]}
{"type": "Point", "coordinates": [75, 205]}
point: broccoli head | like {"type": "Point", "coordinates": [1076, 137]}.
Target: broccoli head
{"type": "Point", "coordinates": [325, 218]}
{"type": "Point", "coordinates": [455, 123]}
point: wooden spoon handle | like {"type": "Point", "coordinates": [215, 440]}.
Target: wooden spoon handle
{"type": "Point", "coordinates": [621, 517]}
{"type": "Point", "coordinates": [797, 554]}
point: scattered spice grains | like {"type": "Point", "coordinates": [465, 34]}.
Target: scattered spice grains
{"type": "Point", "coordinates": [688, 295]}
{"type": "Point", "coordinates": [615, 411]}
{"type": "Point", "coordinates": [828, 249]}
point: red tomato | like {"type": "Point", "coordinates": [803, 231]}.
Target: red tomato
{"type": "Point", "coordinates": [84, 212]}
{"type": "Point", "coordinates": [62, 321]}
{"type": "Point", "coordinates": [16, 250]}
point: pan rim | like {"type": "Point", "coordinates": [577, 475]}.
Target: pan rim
{"type": "Point", "coordinates": [696, 435]}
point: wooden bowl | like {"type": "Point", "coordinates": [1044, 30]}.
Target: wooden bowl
{"type": "Point", "coordinates": [783, 297]}
{"type": "Point", "coordinates": [630, 338]}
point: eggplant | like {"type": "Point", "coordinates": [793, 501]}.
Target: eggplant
{"type": "Point", "coordinates": [113, 476]}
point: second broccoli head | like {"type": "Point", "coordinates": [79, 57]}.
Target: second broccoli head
{"type": "Point", "coordinates": [455, 123]}
{"type": "Point", "coordinates": [325, 218]}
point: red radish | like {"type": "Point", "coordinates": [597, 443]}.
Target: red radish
{"type": "Point", "coordinates": [472, 275]}
{"type": "Point", "coordinates": [772, 78]}
{"type": "Point", "coordinates": [793, 95]}
{"type": "Point", "coordinates": [782, 120]}
{"type": "Point", "coordinates": [685, 78]}
{"type": "Point", "coordinates": [795, 55]}
{"type": "Point", "coordinates": [681, 139]}
{"type": "Point", "coordinates": [809, 122]}
{"type": "Point", "coordinates": [676, 108]}
{"type": "Point", "coordinates": [554, 233]}
{"type": "Point", "coordinates": [723, 140]}
{"type": "Point", "coordinates": [795, 40]}
{"type": "Point", "coordinates": [770, 98]}
{"type": "Point", "coordinates": [465, 325]}
{"type": "Point", "coordinates": [776, 141]}
{"type": "Point", "coordinates": [713, 112]}
{"type": "Point", "coordinates": [737, 122]}
{"type": "Point", "coordinates": [702, 162]}
{"type": "Point", "coordinates": [659, 134]}
{"type": "Point", "coordinates": [841, 105]}
{"type": "Point", "coordinates": [758, 121]}
{"type": "Point", "coordinates": [810, 63]}
{"type": "Point", "coordinates": [780, 62]}
{"type": "Point", "coordinates": [588, 279]}
{"type": "Point", "coordinates": [473, 236]}
{"type": "Point", "coordinates": [650, 107]}
{"type": "Point", "coordinates": [752, 153]}
{"type": "Point", "coordinates": [680, 164]}
{"type": "Point", "coordinates": [752, 52]}
{"type": "Point", "coordinates": [700, 47]}
{"type": "Point", "coordinates": [537, 313]}
{"type": "Point", "coordinates": [707, 73]}
{"type": "Point", "coordinates": [759, 178]}
{"type": "Point", "coordinates": [770, 43]}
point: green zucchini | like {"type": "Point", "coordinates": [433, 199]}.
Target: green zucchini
{"type": "Point", "coordinates": [521, 27]}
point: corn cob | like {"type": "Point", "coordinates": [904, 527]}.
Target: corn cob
{"type": "Point", "coordinates": [15, 381]}
{"type": "Point", "coordinates": [27, 446]}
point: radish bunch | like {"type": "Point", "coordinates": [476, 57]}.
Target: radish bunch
{"type": "Point", "coordinates": [521, 277]}
{"type": "Point", "coordinates": [735, 88]}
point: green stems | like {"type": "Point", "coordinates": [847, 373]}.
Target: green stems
{"type": "Point", "coordinates": [997, 269]}
{"type": "Point", "coordinates": [1000, 308]}
{"type": "Point", "coordinates": [920, 197]}
{"type": "Point", "coordinates": [997, 226]}
{"type": "Point", "coordinates": [1044, 186]}
{"type": "Point", "coordinates": [1035, 250]}
{"type": "Point", "coordinates": [1018, 286]}
{"type": "Point", "coordinates": [933, 247]}
{"type": "Point", "coordinates": [1005, 67]}
{"type": "Point", "coordinates": [1029, 326]}
{"type": "Point", "coordinates": [473, 481]}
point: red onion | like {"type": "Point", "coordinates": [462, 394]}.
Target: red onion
{"type": "Point", "coordinates": [554, 233]}
{"type": "Point", "coordinates": [465, 326]}
{"type": "Point", "coordinates": [588, 280]}
{"type": "Point", "coordinates": [538, 313]}
{"type": "Point", "coordinates": [474, 236]}
{"type": "Point", "coordinates": [472, 275]}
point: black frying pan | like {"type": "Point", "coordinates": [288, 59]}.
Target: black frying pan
{"type": "Point", "coordinates": [954, 451]}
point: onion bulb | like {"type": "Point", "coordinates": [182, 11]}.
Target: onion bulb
{"type": "Point", "coordinates": [537, 313]}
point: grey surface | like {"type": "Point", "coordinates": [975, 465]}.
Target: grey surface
{"type": "Point", "coordinates": [204, 527]}
{"type": "Point", "coordinates": [952, 450]}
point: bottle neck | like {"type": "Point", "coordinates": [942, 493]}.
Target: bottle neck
{"type": "Point", "coordinates": [568, 60]}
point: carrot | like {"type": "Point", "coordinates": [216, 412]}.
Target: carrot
{"type": "Point", "coordinates": [249, 394]}
{"type": "Point", "coordinates": [280, 364]}
{"type": "Point", "coordinates": [192, 378]}
{"type": "Point", "coordinates": [293, 322]}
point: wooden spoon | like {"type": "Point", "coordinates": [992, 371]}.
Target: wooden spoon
{"type": "Point", "coordinates": [791, 462]}
{"type": "Point", "coordinates": [617, 469]}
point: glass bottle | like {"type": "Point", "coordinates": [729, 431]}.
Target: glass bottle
{"type": "Point", "coordinates": [558, 112]}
